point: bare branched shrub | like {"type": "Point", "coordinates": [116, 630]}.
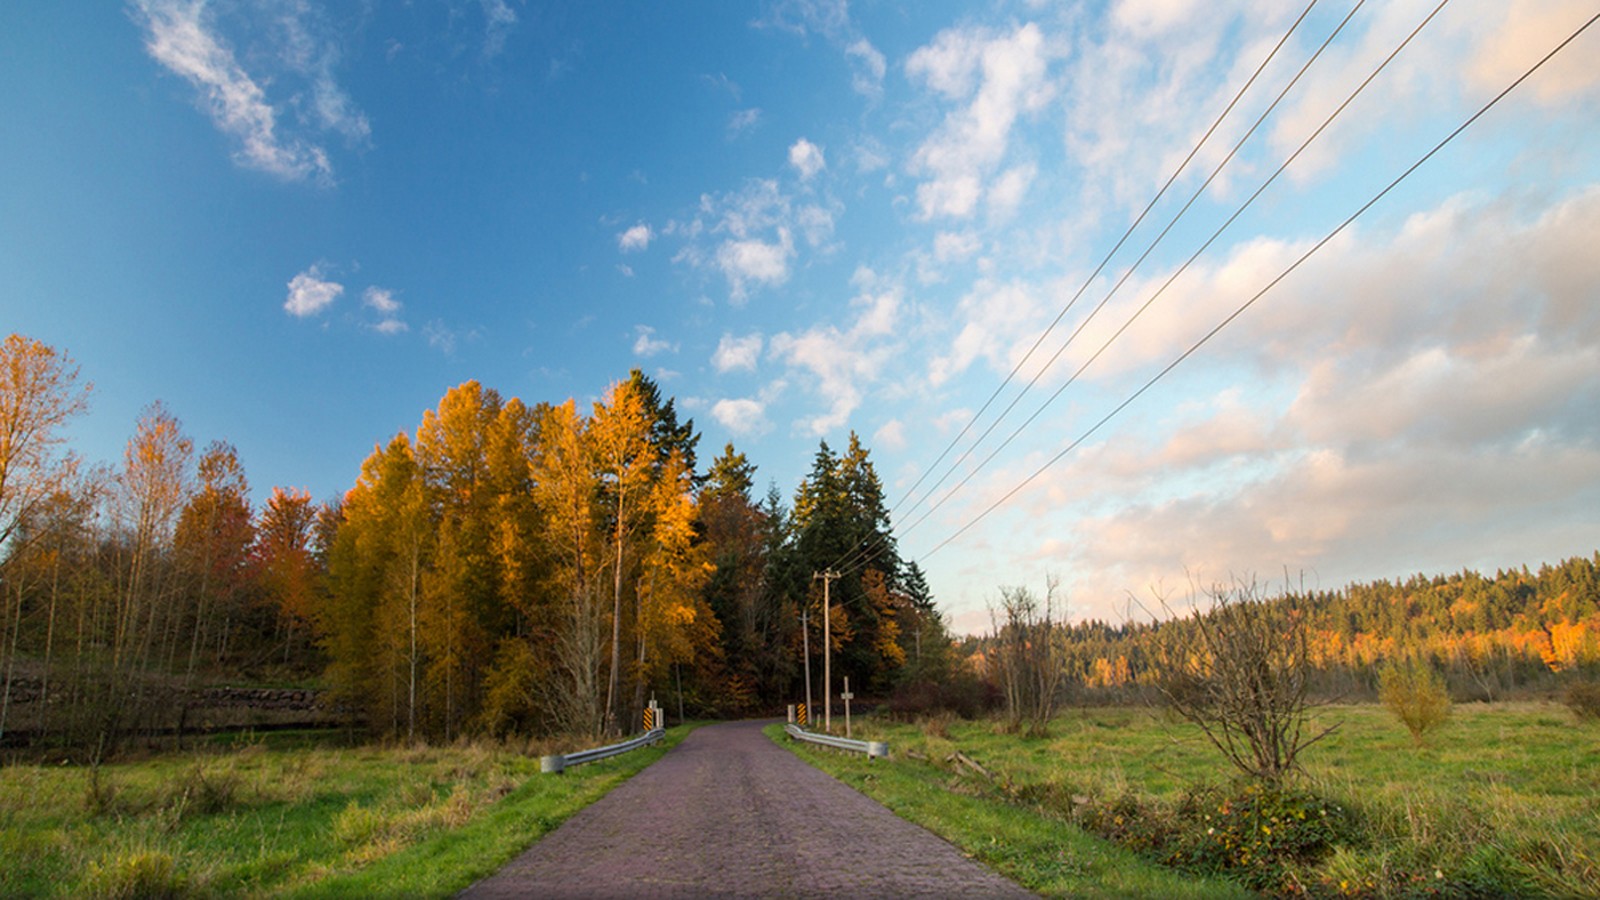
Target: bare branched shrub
{"type": "Point", "coordinates": [1417, 696]}
{"type": "Point", "coordinates": [1029, 657]}
{"type": "Point", "coordinates": [1583, 698]}
{"type": "Point", "coordinates": [1240, 671]}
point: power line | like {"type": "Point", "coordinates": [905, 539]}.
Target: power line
{"type": "Point", "coordinates": [1270, 285]}
{"type": "Point", "coordinates": [856, 557]}
{"type": "Point", "coordinates": [1145, 255]}
{"type": "Point", "coordinates": [1185, 266]}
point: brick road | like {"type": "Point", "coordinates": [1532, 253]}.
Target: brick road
{"type": "Point", "coordinates": [729, 814]}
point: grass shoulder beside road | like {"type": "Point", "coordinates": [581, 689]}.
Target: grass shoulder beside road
{"type": "Point", "coordinates": [1038, 851]}
{"type": "Point", "coordinates": [1504, 800]}
{"type": "Point", "coordinates": [271, 819]}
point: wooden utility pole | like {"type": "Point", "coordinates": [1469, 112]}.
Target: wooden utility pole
{"type": "Point", "coordinates": [827, 648]}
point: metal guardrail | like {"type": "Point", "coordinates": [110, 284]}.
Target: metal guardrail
{"type": "Point", "coordinates": [560, 762]}
{"type": "Point", "coordinates": [873, 749]}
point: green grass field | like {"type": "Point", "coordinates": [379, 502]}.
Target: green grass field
{"type": "Point", "coordinates": [273, 818]}
{"type": "Point", "coordinates": [1503, 801]}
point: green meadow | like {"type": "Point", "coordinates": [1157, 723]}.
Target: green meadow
{"type": "Point", "coordinates": [1504, 800]}
{"type": "Point", "coordinates": [289, 816]}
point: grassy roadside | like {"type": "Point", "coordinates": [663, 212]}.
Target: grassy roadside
{"type": "Point", "coordinates": [1503, 801]}
{"type": "Point", "coordinates": [265, 821]}
{"type": "Point", "coordinates": [1038, 851]}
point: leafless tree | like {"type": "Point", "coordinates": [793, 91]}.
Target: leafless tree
{"type": "Point", "coordinates": [1239, 670]}
{"type": "Point", "coordinates": [1029, 656]}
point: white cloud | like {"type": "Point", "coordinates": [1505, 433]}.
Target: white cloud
{"type": "Point", "coordinates": [636, 238]}
{"type": "Point", "coordinates": [950, 246]}
{"type": "Point", "coordinates": [806, 158]}
{"type": "Point", "coordinates": [998, 322]}
{"type": "Point", "coordinates": [380, 299]}
{"type": "Point", "coordinates": [755, 262]}
{"type": "Point", "coordinates": [1009, 190]}
{"type": "Point", "coordinates": [179, 37]}
{"type": "Point", "coordinates": [868, 68]}
{"type": "Point", "coordinates": [891, 436]}
{"type": "Point", "coordinates": [743, 120]}
{"type": "Point", "coordinates": [742, 416]}
{"type": "Point", "coordinates": [499, 19]}
{"type": "Point", "coordinates": [647, 344]}
{"type": "Point", "coordinates": [737, 352]}
{"type": "Point", "coordinates": [999, 77]}
{"type": "Point", "coordinates": [843, 364]}
{"type": "Point", "coordinates": [388, 308]}
{"type": "Point", "coordinates": [310, 294]}
{"type": "Point", "coordinates": [829, 18]}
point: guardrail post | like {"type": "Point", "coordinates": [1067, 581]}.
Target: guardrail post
{"type": "Point", "coordinates": [791, 714]}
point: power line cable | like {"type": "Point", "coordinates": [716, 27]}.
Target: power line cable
{"type": "Point", "coordinates": [850, 559]}
{"type": "Point", "coordinates": [1270, 285]}
{"type": "Point", "coordinates": [1184, 267]}
{"type": "Point", "coordinates": [1146, 254]}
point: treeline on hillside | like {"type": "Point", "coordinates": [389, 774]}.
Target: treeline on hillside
{"type": "Point", "coordinates": [504, 568]}
{"type": "Point", "coordinates": [1491, 637]}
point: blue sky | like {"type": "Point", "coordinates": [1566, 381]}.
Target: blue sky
{"type": "Point", "coordinates": [298, 224]}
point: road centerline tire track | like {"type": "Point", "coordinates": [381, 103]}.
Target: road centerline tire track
{"type": "Point", "coordinates": [727, 813]}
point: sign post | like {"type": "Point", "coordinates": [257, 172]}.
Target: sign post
{"type": "Point", "coordinates": [847, 696]}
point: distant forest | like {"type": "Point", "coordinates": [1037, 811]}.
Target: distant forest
{"type": "Point", "coordinates": [1512, 633]}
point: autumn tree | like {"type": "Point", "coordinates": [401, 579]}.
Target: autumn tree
{"type": "Point", "coordinates": [39, 394]}
{"type": "Point", "coordinates": [213, 540]}
{"type": "Point", "coordinates": [287, 570]}
{"type": "Point", "coordinates": [624, 459]}
{"type": "Point", "coordinates": [573, 549]}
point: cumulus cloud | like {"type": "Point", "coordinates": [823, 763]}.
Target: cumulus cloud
{"type": "Point", "coordinates": [744, 417]}
{"type": "Point", "coordinates": [737, 352]}
{"type": "Point", "coordinates": [1422, 401]}
{"type": "Point", "coordinates": [842, 364]}
{"type": "Point", "coordinates": [997, 78]}
{"type": "Point", "coordinates": [636, 238]}
{"type": "Point", "coordinates": [647, 344]}
{"type": "Point", "coordinates": [755, 262]}
{"type": "Point", "coordinates": [806, 158]}
{"type": "Point", "coordinates": [310, 293]}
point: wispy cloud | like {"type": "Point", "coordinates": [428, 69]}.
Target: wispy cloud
{"type": "Point", "coordinates": [179, 37]}
{"type": "Point", "coordinates": [382, 301]}
{"type": "Point", "coordinates": [273, 113]}
{"type": "Point", "coordinates": [743, 120]}
{"type": "Point", "coordinates": [868, 67]}
{"type": "Point", "coordinates": [310, 293]}
{"type": "Point", "coordinates": [499, 19]}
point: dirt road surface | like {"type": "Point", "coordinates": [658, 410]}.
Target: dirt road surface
{"type": "Point", "coordinates": [728, 813]}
